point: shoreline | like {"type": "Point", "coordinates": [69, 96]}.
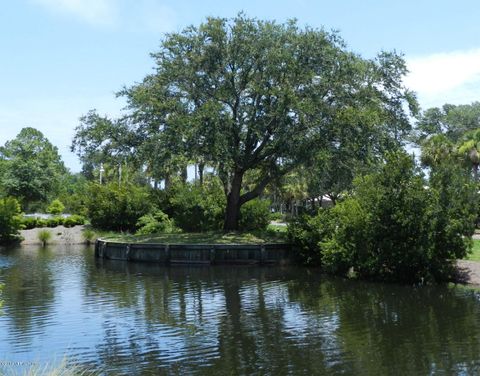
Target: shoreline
{"type": "Point", "coordinates": [60, 235]}
{"type": "Point", "coordinates": [468, 271]}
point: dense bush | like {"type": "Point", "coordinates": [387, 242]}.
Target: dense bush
{"type": "Point", "coordinates": [392, 227]}
{"type": "Point", "coordinates": [33, 222]}
{"type": "Point", "coordinates": [10, 219]}
{"type": "Point", "coordinates": [196, 208]}
{"type": "Point", "coordinates": [29, 222]}
{"type": "Point", "coordinates": [254, 215]}
{"type": "Point", "coordinates": [74, 220]}
{"type": "Point", "coordinates": [454, 215]}
{"type": "Point", "coordinates": [54, 221]}
{"type": "Point", "coordinates": [117, 208]}
{"type": "Point", "coordinates": [306, 232]}
{"type": "Point", "coordinates": [157, 222]}
{"type": "Point", "coordinates": [75, 203]}
{"type": "Point", "coordinates": [277, 216]}
{"type": "Point", "coordinates": [56, 207]}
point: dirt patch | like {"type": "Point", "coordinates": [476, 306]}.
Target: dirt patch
{"type": "Point", "coordinates": [60, 235]}
{"type": "Point", "coordinates": [468, 272]}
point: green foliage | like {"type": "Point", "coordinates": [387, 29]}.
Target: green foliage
{"type": "Point", "coordinates": [269, 106]}
{"type": "Point", "coordinates": [54, 221]}
{"type": "Point", "coordinates": [255, 215]}
{"type": "Point", "coordinates": [453, 216]}
{"type": "Point", "coordinates": [32, 222]}
{"type": "Point", "coordinates": [89, 235]}
{"type": "Point", "coordinates": [44, 236]}
{"type": "Point", "coordinates": [29, 222]}
{"type": "Point", "coordinates": [74, 220]}
{"type": "Point", "coordinates": [197, 208]}
{"type": "Point", "coordinates": [32, 168]}
{"type": "Point", "coordinates": [156, 222]}
{"type": "Point", "coordinates": [452, 121]}
{"type": "Point", "coordinates": [306, 232]}
{"type": "Point", "coordinates": [56, 207]}
{"type": "Point", "coordinates": [41, 222]}
{"type": "Point", "coordinates": [392, 228]}
{"type": "Point", "coordinates": [10, 219]}
{"type": "Point", "coordinates": [73, 194]}
{"type": "Point", "coordinates": [117, 208]}
{"type": "Point", "coordinates": [276, 216]}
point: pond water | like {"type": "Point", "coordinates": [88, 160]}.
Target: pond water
{"type": "Point", "coordinates": [138, 319]}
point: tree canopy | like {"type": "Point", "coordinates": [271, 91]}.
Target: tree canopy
{"type": "Point", "coordinates": [453, 121]}
{"type": "Point", "coordinates": [31, 167]}
{"type": "Point", "coordinates": [243, 94]}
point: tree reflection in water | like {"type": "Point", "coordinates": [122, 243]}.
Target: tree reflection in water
{"type": "Point", "coordinates": [138, 318]}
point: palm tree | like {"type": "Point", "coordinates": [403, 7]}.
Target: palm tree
{"type": "Point", "coordinates": [469, 149]}
{"type": "Point", "coordinates": [436, 150]}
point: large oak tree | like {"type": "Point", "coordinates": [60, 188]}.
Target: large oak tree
{"type": "Point", "coordinates": [244, 94]}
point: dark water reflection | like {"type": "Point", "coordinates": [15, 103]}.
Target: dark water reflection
{"type": "Point", "coordinates": [140, 319]}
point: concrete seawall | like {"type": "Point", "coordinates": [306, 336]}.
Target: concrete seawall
{"type": "Point", "coordinates": [195, 253]}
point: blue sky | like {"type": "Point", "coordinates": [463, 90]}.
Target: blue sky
{"type": "Point", "coordinates": [61, 58]}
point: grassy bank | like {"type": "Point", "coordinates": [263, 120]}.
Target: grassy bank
{"type": "Point", "coordinates": [270, 236]}
{"type": "Point", "coordinates": [475, 255]}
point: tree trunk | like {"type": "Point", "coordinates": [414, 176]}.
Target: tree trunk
{"type": "Point", "coordinates": [201, 167]}
{"type": "Point", "coordinates": [232, 212]}
{"type": "Point", "coordinates": [184, 175]}
{"type": "Point", "coordinates": [168, 182]}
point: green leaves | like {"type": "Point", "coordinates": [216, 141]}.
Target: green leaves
{"type": "Point", "coordinates": [392, 227]}
{"type": "Point", "coordinates": [32, 168]}
{"type": "Point", "coordinates": [10, 219]}
{"type": "Point", "coordinates": [244, 94]}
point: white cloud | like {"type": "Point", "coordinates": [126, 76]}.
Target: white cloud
{"type": "Point", "coordinates": [452, 77]}
{"type": "Point", "coordinates": [102, 12]}
{"type": "Point", "coordinates": [139, 15]}
{"type": "Point", "coordinates": [151, 16]}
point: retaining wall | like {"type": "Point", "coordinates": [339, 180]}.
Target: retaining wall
{"type": "Point", "coordinates": [195, 253]}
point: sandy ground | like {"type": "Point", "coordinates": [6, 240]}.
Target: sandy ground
{"type": "Point", "coordinates": [468, 272]}
{"type": "Point", "coordinates": [60, 235]}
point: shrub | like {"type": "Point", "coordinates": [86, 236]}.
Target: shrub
{"type": "Point", "coordinates": [89, 235]}
{"type": "Point", "coordinates": [392, 228]}
{"type": "Point", "coordinates": [157, 222]}
{"type": "Point", "coordinates": [75, 203]}
{"type": "Point", "coordinates": [276, 216]}
{"type": "Point", "coordinates": [197, 208]}
{"type": "Point", "coordinates": [54, 221]}
{"type": "Point", "coordinates": [56, 207]}
{"type": "Point", "coordinates": [44, 236]}
{"type": "Point", "coordinates": [41, 222]}
{"type": "Point", "coordinates": [307, 232]}
{"type": "Point", "coordinates": [29, 222]}
{"type": "Point", "coordinates": [255, 215]}
{"type": "Point", "coordinates": [73, 220]}
{"type": "Point", "coordinates": [10, 219]}
{"type": "Point", "coordinates": [117, 208]}
{"type": "Point", "coordinates": [453, 216]}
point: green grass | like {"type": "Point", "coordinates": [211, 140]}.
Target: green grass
{"type": "Point", "coordinates": [44, 236]}
{"type": "Point", "coordinates": [475, 255]}
{"type": "Point", "coordinates": [270, 236]}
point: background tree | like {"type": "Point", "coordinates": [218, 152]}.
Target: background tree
{"type": "Point", "coordinates": [453, 121]}
{"type": "Point", "coordinates": [436, 150]}
{"type": "Point", "coordinates": [32, 168]}
{"type": "Point", "coordinates": [469, 149]}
